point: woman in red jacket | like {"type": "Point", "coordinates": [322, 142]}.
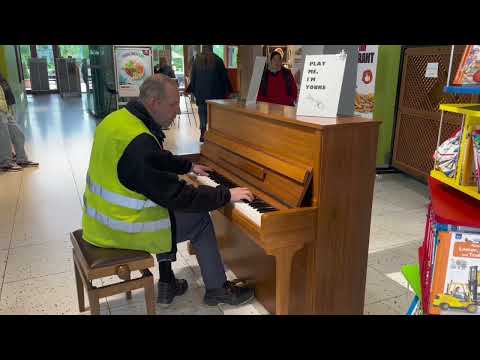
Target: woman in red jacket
{"type": "Point", "coordinates": [278, 85]}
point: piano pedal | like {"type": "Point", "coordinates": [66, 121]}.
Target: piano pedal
{"type": "Point", "coordinates": [249, 283]}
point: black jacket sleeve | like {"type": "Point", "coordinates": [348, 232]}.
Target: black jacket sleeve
{"type": "Point", "coordinates": [147, 169]}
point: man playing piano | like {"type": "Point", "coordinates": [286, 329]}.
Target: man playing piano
{"type": "Point", "coordinates": [135, 200]}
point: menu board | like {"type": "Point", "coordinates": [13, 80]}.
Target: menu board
{"type": "Point", "coordinates": [132, 66]}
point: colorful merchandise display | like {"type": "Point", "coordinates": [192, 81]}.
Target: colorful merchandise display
{"type": "Point", "coordinates": [448, 255]}
{"type": "Point", "coordinates": [468, 72]}
{"type": "Point", "coordinates": [446, 156]}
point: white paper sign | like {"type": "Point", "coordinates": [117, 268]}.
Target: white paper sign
{"type": "Point", "coordinates": [432, 70]}
{"type": "Point", "coordinates": [133, 66]}
{"type": "Point", "coordinates": [366, 76]}
{"type": "Point", "coordinates": [321, 85]}
{"type": "Point", "coordinates": [256, 79]}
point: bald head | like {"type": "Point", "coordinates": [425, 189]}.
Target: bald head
{"type": "Point", "coordinates": [155, 86]}
{"type": "Point", "coordinates": [159, 95]}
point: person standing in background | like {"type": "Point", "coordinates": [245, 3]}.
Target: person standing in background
{"type": "Point", "coordinates": [278, 85]}
{"type": "Point", "coordinates": [164, 68]}
{"type": "Point", "coordinates": [10, 133]}
{"type": "Point", "coordinates": [209, 81]}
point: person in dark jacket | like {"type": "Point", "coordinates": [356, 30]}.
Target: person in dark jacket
{"type": "Point", "coordinates": [209, 81]}
{"type": "Point", "coordinates": [147, 168]}
{"type": "Point", "coordinates": [278, 85]}
{"type": "Point", "coordinates": [164, 68]}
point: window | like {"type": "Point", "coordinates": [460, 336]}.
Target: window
{"type": "Point", "coordinates": [77, 52]}
{"type": "Point", "coordinates": [232, 52]}
{"type": "Point", "coordinates": [157, 51]}
{"type": "Point", "coordinates": [220, 51]}
{"type": "Point", "coordinates": [178, 64]}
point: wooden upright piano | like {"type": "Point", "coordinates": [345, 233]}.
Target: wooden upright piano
{"type": "Point", "coordinates": [304, 240]}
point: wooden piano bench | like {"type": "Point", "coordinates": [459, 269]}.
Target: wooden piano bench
{"type": "Point", "coordinates": [93, 262]}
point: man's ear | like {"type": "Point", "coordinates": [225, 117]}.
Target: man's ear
{"type": "Point", "coordinates": [149, 102]}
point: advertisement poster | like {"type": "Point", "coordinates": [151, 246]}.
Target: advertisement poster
{"type": "Point", "coordinates": [133, 66]}
{"type": "Point", "coordinates": [321, 85]}
{"type": "Point", "coordinates": [366, 76]}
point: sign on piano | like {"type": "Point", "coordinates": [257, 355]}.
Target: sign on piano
{"type": "Point", "coordinates": [321, 85]}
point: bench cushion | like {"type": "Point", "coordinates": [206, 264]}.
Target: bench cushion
{"type": "Point", "coordinates": [97, 257]}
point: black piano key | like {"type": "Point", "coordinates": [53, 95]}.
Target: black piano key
{"type": "Point", "coordinates": [256, 206]}
{"type": "Point", "coordinates": [259, 205]}
{"type": "Point", "coordinates": [266, 210]}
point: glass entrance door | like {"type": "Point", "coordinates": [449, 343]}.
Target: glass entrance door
{"type": "Point", "coordinates": [25, 56]}
{"type": "Point", "coordinates": [46, 52]}
{"type": "Point", "coordinates": [80, 54]}
{"type": "Point", "coordinates": [44, 75]}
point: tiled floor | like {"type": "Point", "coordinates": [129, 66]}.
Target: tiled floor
{"type": "Point", "coordinates": [38, 207]}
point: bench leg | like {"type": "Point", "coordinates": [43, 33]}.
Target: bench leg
{"type": "Point", "coordinates": [80, 287]}
{"type": "Point", "coordinates": [149, 294]}
{"type": "Point", "coordinates": [94, 303]}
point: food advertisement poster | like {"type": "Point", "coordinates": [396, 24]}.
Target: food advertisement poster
{"type": "Point", "coordinates": [366, 76]}
{"type": "Point", "coordinates": [321, 85]}
{"type": "Point", "coordinates": [133, 66]}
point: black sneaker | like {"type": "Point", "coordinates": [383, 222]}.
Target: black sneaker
{"type": "Point", "coordinates": [230, 294]}
{"type": "Point", "coordinates": [167, 291]}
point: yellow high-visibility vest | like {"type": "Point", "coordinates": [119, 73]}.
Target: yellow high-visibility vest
{"type": "Point", "coordinates": [114, 216]}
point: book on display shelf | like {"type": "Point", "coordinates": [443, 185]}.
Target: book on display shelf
{"type": "Point", "coordinates": [455, 282]}
{"type": "Point", "coordinates": [476, 155]}
{"type": "Point", "coordinates": [447, 253]}
{"type": "Point", "coordinates": [468, 72]}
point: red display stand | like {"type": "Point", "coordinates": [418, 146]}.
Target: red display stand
{"type": "Point", "coordinates": [453, 207]}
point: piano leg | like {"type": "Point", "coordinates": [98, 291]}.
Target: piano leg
{"type": "Point", "coordinates": [283, 261]}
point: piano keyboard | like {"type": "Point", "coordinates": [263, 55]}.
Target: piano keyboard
{"type": "Point", "coordinates": [251, 209]}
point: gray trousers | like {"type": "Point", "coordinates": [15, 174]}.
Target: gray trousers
{"type": "Point", "coordinates": [10, 133]}
{"type": "Point", "coordinates": [198, 228]}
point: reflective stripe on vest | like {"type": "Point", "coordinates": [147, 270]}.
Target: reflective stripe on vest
{"type": "Point", "coordinates": [126, 226]}
{"type": "Point", "coordinates": [117, 199]}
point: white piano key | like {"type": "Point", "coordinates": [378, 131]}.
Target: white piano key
{"type": "Point", "coordinates": [205, 180]}
{"type": "Point", "coordinates": [249, 212]}
{"type": "Point", "coordinates": [244, 208]}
